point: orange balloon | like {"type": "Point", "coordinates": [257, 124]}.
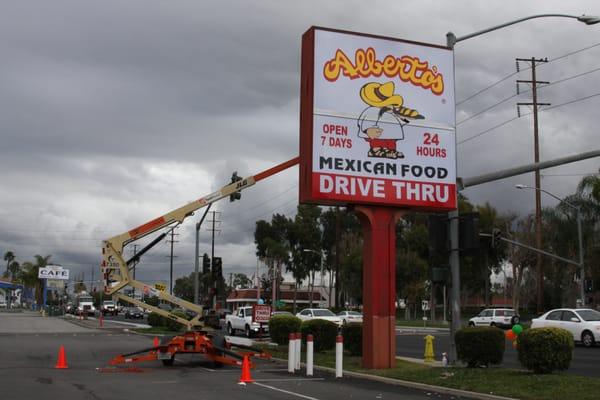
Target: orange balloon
{"type": "Point", "coordinates": [510, 335]}
{"type": "Point", "coordinates": [514, 344]}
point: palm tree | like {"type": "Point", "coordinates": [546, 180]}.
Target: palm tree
{"type": "Point", "coordinates": [28, 275]}
{"type": "Point", "coordinates": [9, 256]}
{"type": "Point", "coordinates": [13, 269]}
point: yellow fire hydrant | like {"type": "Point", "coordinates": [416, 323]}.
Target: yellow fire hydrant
{"type": "Point", "coordinates": [429, 356]}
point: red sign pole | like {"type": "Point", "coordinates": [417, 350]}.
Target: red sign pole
{"type": "Point", "coordinates": [379, 284]}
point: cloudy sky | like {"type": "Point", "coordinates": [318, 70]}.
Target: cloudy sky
{"type": "Point", "coordinates": [115, 112]}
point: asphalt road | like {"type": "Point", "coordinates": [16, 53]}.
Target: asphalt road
{"type": "Point", "coordinates": [412, 344]}
{"type": "Point", "coordinates": [28, 357]}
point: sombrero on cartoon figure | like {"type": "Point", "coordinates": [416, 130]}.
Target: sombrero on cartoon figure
{"type": "Point", "coordinates": [382, 95]}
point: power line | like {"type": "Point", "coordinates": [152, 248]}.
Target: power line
{"type": "Point", "coordinates": [571, 102]}
{"type": "Point", "coordinates": [523, 115]}
{"type": "Point", "coordinates": [487, 88]}
{"type": "Point", "coordinates": [525, 69]}
{"type": "Point", "coordinates": [527, 91]}
{"type": "Point", "coordinates": [486, 109]}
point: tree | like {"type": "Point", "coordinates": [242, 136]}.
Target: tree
{"type": "Point", "coordinates": [13, 269]}
{"type": "Point", "coordinates": [272, 246]}
{"type": "Point", "coordinates": [28, 275]}
{"type": "Point", "coordinates": [342, 239]}
{"type": "Point", "coordinates": [184, 287]}
{"type": "Point", "coordinates": [412, 261]}
{"type": "Point", "coordinates": [241, 280]}
{"type": "Point", "coordinates": [9, 256]}
{"type": "Point", "coordinates": [307, 235]}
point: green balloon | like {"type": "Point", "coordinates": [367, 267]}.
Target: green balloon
{"type": "Point", "coordinates": [517, 329]}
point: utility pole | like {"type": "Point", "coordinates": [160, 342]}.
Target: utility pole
{"type": "Point", "coordinates": [197, 255]}
{"type": "Point", "coordinates": [536, 152]}
{"type": "Point", "coordinates": [135, 262]}
{"type": "Point", "coordinates": [172, 241]}
{"type": "Point", "coordinates": [135, 247]}
{"type": "Point", "coordinates": [213, 229]}
{"type": "Point", "coordinates": [92, 281]}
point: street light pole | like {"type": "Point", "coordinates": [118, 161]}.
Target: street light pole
{"type": "Point", "coordinates": [579, 234]}
{"type": "Point", "coordinates": [454, 260]}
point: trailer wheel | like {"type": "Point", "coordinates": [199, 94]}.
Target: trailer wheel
{"type": "Point", "coordinates": [169, 362]}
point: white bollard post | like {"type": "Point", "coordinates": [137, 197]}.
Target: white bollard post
{"type": "Point", "coordinates": [309, 355]}
{"type": "Point", "coordinates": [298, 350]}
{"type": "Point", "coordinates": [291, 352]}
{"type": "Point", "coordinates": [339, 353]}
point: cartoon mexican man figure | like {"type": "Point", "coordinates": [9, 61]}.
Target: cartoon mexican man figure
{"type": "Point", "coordinates": [381, 102]}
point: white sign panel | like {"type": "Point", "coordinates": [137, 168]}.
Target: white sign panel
{"type": "Point", "coordinates": [53, 272]}
{"type": "Point", "coordinates": [382, 129]}
{"type": "Point", "coordinates": [58, 284]}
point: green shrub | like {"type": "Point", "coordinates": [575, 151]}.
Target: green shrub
{"type": "Point", "coordinates": [543, 350]}
{"type": "Point", "coordinates": [173, 325]}
{"type": "Point", "coordinates": [155, 319]}
{"type": "Point", "coordinates": [480, 346]}
{"type": "Point", "coordinates": [324, 333]}
{"type": "Point", "coordinates": [280, 327]}
{"type": "Point", "coordinates": [352, 334]}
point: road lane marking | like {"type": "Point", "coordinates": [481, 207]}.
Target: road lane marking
{"type": "Point", "coordinates": [288, 379]}
{"type": "Point", "coordinates": [286, 391]}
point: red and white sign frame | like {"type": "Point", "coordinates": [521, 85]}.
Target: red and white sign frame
{"type": "Point", "coordinates": [261, 313]}
{"type": "Point", "coordinates": [377, 122]}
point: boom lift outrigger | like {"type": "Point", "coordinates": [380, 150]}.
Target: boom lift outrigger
{"type": "Point", "coordinates": [116, 270]}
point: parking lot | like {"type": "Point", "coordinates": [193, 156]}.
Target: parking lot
{"type": "Point", "coordinates": [30, 349]}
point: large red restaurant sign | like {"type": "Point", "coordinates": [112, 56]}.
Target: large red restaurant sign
{"type": "Point", "coordinates": [377, 122]}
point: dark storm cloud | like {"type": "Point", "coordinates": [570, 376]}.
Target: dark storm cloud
{"type": "Point", "coordinates": [112, 113]}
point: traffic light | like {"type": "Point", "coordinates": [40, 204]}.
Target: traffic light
{"type": "Point", "coordinates": [440, 274]}
{"type": "Point", "coordinates": [588, 285]}
{"type": "Point", "coordinates": [438, 233]}
{"type": "Point", "coordinates": [496, 237]}
{"type": "Point", "coordinates": [205, 264]}
{"type": "Point", "coordinates": [217, 268]}
{"type": "Point", "coordinates": [235, 195]}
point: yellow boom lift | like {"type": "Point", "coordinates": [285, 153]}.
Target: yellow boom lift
{"type": "Point", "coordinates": [116, 274]}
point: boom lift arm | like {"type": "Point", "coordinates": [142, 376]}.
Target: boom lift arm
{"type": "Point", "coordinates": [116, 269]}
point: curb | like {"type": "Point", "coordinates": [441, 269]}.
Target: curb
{"type": "Point", "coordinates": [412, 385]}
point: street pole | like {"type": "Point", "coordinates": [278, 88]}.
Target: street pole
{"type": "Point", "coordinates": [581, 268]}
{"type": "Point", "coordinates": [454, 261]}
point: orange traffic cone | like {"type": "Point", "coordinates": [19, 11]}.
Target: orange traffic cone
{"type": "Point", "coordinates": [155, 343]}
{"type": "Point", "coordinates": [61, 363]}
{"type": "Point", "coordinates": [246, 378]}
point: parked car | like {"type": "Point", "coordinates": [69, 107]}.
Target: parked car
{"type": "Point", "coordinates": [134, 312]}
{"type": "Point", "coordinates": [350, 316]}
{"type": "Point", "coordinates": [319, 313]}
{"type": "Point", "coordinates": [241, 320]}
{"type": "Point", "coordinates": [275, 313]}
{"type": "Point", "coordinates": [500, 317]}
{"type": "Point", "coordinates": [583, 323]}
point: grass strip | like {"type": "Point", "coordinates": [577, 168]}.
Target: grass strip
{"type": "Point", "coordinates": [496, 380]}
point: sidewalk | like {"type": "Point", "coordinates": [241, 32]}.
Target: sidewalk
{"type": "Point", "coordinates": [32, 322]}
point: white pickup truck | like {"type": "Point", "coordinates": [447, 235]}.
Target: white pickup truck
{"type": "Point", "coordinates": [241, 320]}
